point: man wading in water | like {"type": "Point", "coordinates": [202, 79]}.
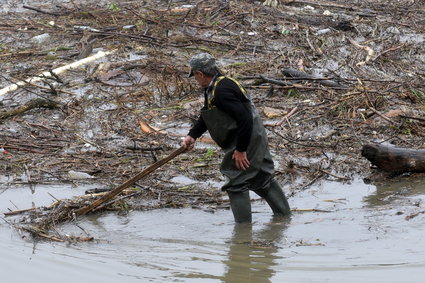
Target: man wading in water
{"type": "Point", "coordinates": [234, 124]}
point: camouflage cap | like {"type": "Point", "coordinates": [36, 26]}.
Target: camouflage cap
{"type": "Point", "coordinates": [201, 62]}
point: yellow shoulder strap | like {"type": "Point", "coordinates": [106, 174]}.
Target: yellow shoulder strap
{"type": "Point", "coordinates": [239, 85]}
{"type": "Point", "coordinates": [215, 85]}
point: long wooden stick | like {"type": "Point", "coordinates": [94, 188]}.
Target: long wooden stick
{"type": "Point", "coordinates": [129, 182]}
{"type": "Point", "coordinates": [40, 11]}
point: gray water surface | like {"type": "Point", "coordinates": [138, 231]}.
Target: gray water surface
{"type": "Point", "coordinates": [364, 237]}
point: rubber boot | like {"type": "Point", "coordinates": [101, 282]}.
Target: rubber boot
{"type": "Point", "coordinates": [276, 199]}
{"type": "Point", "coordinates": [240, 203]}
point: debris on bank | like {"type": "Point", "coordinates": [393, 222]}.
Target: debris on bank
{"type": "Point", "coordinates": [44, 222]}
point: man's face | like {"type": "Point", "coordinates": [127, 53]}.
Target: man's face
{"type": "Point", "coordinates": [202, 79]}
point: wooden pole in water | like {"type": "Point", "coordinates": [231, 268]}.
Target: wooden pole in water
{"type": "Point", "coordinates": [129, 182]}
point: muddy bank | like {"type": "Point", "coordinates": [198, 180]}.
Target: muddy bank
{"type": "Point", "coordinates": [97, 128]}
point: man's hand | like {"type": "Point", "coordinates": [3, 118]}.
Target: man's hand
{"type": "Point", "coordinates": [188, 143]}
{"type": "Point", "coordinates": [241, 160]}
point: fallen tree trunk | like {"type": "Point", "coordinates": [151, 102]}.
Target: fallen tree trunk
{"type": "Point", "coordinates": [304, 76]}
{"type": "Point", "coordinates": [395, 160]}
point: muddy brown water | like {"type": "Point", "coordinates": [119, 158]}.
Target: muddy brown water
{"type": "Point", "coordinates": [363, 238]}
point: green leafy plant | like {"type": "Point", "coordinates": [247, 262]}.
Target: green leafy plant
{"type": "Point", "coordinates": [418, 94]}
{"type": "Point", "coordinates": [407, 132]}
{"type": "Point", "coordinates": [114, 7]}
{"type": "Point", "coordinates": [292, 92]}
{"type": "Point", "coordinates": [124, 206]}
{"type": "Point", "coordinates": [207, 156]}
{"type": "Point", "coordinates": [286, 32]}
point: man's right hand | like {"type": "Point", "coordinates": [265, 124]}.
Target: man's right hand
{"type": "Point", "coordinates": [241, 160]}
{"type": "Point", "coordinates": [188, 143]}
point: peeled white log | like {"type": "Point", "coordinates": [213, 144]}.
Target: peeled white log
{"type": "Point", "coordinates": [56, 71]}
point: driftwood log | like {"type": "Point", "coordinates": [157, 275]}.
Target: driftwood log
{"type": "Point", "coordinates": [393, 159]}
{"type": "Point", "coordinates": [32, 104]}
{"type": "Point", "coordinates": [304, 76]}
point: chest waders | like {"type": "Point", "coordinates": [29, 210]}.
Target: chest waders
{"type": "Point", "coordinates": [259, 176]}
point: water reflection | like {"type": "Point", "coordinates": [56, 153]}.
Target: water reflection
{"type": "Point", "coordinates": [396, 189]}
{"type": "Point", "coordinates": [252, 255]}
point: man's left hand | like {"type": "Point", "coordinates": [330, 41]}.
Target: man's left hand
{"type": "Point", "coordinates": [241, 160]}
